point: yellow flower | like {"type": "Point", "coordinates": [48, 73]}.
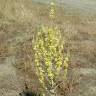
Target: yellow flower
{"type": "Point", "coordinates": [48, 55]}
{"type": "Point", "coordinates": [52, 3]}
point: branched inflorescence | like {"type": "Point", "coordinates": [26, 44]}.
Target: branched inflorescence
{"type": "Point", "coordinates": [49, 56]}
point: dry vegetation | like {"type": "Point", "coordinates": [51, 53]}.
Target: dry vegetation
{"type": "Point", "coordinates": [20, 19]}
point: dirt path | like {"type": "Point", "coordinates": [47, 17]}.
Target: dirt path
{"type": "Point", "coordinates": [8, 77]}
{"type": "Point", "coordinates": [87, 81]}
{"type": "Point", "coordinates": [9, 84]}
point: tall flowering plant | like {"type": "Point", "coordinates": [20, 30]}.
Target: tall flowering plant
{"type": "Point", "coordinates": [49, 57]}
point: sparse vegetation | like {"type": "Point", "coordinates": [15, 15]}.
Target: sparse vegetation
{"type": "Point", "coordinates": [18, 23]}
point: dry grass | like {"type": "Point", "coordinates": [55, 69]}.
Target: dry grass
{"type": "Point", "coordinates": [19, 21]}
